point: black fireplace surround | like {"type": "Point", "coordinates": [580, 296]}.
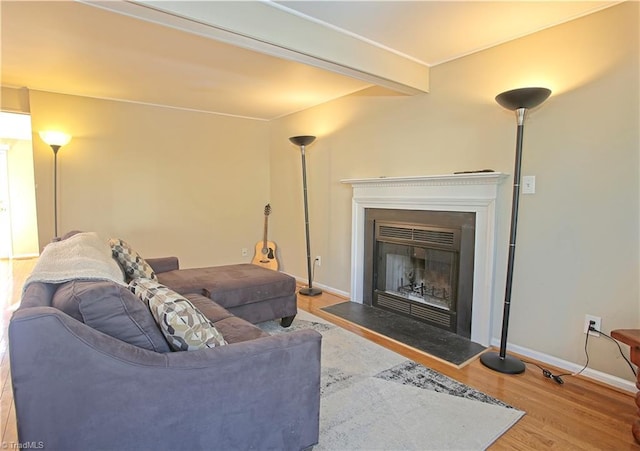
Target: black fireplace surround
{"type": "Point", "coordinates": [419, 263]}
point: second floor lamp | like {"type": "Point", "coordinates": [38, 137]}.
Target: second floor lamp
{"type": "Point", "coordinates": [518, 100]}
{"type": "Point", "coordinates": [303, 142]}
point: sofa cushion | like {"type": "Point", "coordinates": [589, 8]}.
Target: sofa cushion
{"type": "Point", "coordinates": [209, 308]}
{"type": "Point", "coordinates": [236, 330]}
{"type": "Point", "coordinates": [182, 324]}
{"type": "Point", "coordinates": [37, 294]}
{"type": "Point", "coordinates": [132, 263]}
{"type": "Point", "coordinates": [112, 309]}
{"type": "Point", "coordinates": [231, 285]}
{"type": "Point", "coordinates": [64, 299]}
{"type": "Point", "coordinates": [232, 328]}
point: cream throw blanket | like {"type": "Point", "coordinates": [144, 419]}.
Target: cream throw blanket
{"type": "Point", "coordinates": [83, 256]}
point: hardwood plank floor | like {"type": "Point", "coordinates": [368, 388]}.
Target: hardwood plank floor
{"type": "Point", "coordinates": [579, 415]}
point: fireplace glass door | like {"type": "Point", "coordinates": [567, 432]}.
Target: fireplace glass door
{"type": "Point", "coordinates": [416, 270]}
{"type": "Point", "coordinates": [422, 275]}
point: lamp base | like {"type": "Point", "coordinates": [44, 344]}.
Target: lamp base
{"type": "Point", "coordinates": [506, 365]}
{"type": "Point", "coordinates": [310, 291]}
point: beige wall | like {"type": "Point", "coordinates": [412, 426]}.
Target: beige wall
{"type": "Point", "coordinates": [578, 245]}
{"type": "Point", "coordinates": [169, 182]}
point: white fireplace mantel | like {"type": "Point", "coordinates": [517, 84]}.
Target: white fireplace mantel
{"type": "Point", "coordinates": [468, 192]}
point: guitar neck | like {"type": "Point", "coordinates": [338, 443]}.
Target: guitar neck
{"type": "Point", "coordinates": [264, 240]}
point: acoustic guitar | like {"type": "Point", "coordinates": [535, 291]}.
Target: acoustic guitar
{"type": "Point", "coordinates": [265, 254]}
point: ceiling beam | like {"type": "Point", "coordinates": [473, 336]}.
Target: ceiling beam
{"type": "Point", "coordinates": [272, 29]}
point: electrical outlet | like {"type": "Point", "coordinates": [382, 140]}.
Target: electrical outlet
{"type": "Point", "coordinates": [597, 325]}
{"type": "Point", "coordinates": [319, 260]}
{"type": "Point", "coordinates": [244, 251]}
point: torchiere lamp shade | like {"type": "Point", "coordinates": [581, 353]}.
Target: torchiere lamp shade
{"type": "Point", "coordinates": [523, 98]}
{"type": "Point", "coordinates": [302, 140]}
{"type": "Point", "coordinates": [55, 139]}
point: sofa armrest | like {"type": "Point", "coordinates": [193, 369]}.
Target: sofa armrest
{"type": "Point", "coordinates": [163, 264]}
{"type": "Point", "coordinates": [76, 388]}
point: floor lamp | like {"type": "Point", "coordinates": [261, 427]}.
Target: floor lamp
{"type": "Point", "coordinates": [55, 140]}
{"type": "Point", "coordinates": [518, 100]}
{"type": "Point", "coordinates": [302, 142]}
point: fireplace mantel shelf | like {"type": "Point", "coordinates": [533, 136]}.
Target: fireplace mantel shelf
{"type": "Point", "coordinates": [473, 178]}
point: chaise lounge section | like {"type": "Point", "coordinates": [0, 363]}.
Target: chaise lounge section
{"type": "Point", "coordinates": [251, 292]}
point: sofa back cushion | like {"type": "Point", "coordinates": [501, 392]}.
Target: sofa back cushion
{"type": "Point", "coordinates": [112, 309]}
{"type": "Point", "coordinates": [37, 294]}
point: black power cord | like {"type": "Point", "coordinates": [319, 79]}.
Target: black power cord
{"type": "Point", "coordinates": [548, 374]}
{"type": "Point", "coordinates": [558, 377]}
{"type": "Point", "coordinates": [619, 348]}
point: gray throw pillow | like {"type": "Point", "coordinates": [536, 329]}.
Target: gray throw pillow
{"type": "Point", "coordinates": [111, 309]}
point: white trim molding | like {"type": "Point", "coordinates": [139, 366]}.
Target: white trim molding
{"type": "Point", "coordinates": [574, 368]}
{"type": "Point", "coordinates": [467, 192]}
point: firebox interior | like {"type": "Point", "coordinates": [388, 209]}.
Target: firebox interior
{"type": "Point", "coordinates": [420, 264]}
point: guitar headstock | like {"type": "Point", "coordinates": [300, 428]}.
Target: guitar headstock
{"type": "Point", "coordinates": [267, 209]}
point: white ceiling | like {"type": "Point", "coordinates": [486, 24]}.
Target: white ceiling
{"type": "Point", "coordinates": [259, 60]}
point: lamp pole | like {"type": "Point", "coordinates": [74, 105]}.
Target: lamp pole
{"type": "Point", "coordinates": [55, 148]}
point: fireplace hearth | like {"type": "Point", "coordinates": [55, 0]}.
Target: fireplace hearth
{"type": "Point", "coordinates": [420, 264]}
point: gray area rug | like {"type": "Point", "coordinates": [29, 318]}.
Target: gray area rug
{"type": "Point", "coordinates": [375, 399]}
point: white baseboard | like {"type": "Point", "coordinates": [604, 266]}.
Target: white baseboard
{"type": "Point", "coordinates": [326, 288]}
{"type": "Point", "coordinates": [588, 373]}
{"type": "Point", "coordinates": [608, 379]}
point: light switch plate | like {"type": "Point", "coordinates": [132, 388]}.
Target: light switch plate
{"type": "Point", "coordinates": [529, 184]}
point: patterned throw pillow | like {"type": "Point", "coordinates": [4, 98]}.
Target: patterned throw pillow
{"type": "Point", "coordinates": [132, 263]}
{"type": "Point", "coordinates": [182, 324]}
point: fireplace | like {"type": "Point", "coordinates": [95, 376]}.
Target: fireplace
{"type": "Point", "coordinates": [420, 264]}
{"type": "Point", "coordinates": [474, 193]}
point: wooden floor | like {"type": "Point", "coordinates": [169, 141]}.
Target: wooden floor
{"type": "Point", "coordinates": [579, 415]}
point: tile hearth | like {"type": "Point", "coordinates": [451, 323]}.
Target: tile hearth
{"type": "Point", "coordinates": [439, 343]}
